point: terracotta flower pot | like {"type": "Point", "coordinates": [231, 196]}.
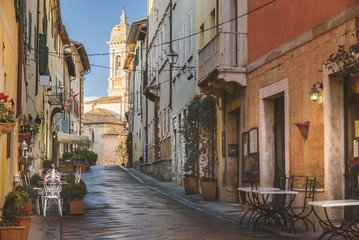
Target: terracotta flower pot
{"type": "Point", "coordinates": [190, 185]}
{"type": "Point", "coordinates": [77, 206]}
{"type": "Point", "coordinates": [6, 127]}
{"type": "Point", "coordinates": [26, 221]}
{"type": "Point", "coordinates": [25, 137]}
{"type": "Point", "coordinates": [12, 232]}
{"type": "Point", "coordinates": [209, 190]}
{"type": "Point", "coordinates": [66, 169]}
{"type": "Point", "coordinates": [83, 168]}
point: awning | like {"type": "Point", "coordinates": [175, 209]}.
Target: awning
{"type": "Point", "coordinates": [70, 138]}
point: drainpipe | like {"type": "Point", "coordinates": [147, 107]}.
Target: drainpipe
{"type": "Point", "coordinates": [19, 62]}
{"type": "Point", "coordinates": [171, 50]}
{"type": "Point", "coordinates": [217, 17]}
{"type": "Point", "coordinates": [37, 48]}
{"type": "Point", "coordinates": [146, 64]}
{"type": "Point", "coordinates": [65, 46]}
{"type": "Point", "coordinates": [80, 104]}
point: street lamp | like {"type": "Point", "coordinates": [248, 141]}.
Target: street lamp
{"type": "Point", "coordinates": [172, 57]}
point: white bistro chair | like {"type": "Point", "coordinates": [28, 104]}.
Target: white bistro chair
{"type": "Point", "coordinates": [52, 191]}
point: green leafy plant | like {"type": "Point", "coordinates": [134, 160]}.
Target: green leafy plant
{"type": "Point", "coordinates": [27, 125]}
{"type": "Point", "coordinates": [208, 123]}
{"type": "Point", "coordinates": [30, 191]}
{"type": "Point", "coordinates": [84, 154]}
{"type": "Point", "coordinates": [190, 130]}
{"type": "Point", "coordinates": [35, 179]}
{"type": "Point", "coordinates": [13, 208]}
{"type": "Point", "coordinates": [46, 164]}
{"type": "Point", "coordinates": [199, 134]}
{"type": "Point", "coordinates": [73, 191]}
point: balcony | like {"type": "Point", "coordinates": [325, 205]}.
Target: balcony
{"type": "Point", "coordinates": [55, 99]}
{"type": "Point", "coordinates": [222, 63]}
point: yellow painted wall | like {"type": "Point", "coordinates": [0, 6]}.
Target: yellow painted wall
{"type": "Point", "coordinates": [8, 85]}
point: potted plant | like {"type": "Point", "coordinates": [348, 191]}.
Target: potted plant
{"type": "Point", "coordinates": [27, 129]}
{"type": "Point", "coordinates": [32, 193]}
{"type": "Point", "coordinates": [190, 130]}
{"type": "Point", "coordinates": [208, 123]}
{"type": "Point", "coordinates": [7, 116]}
{"type": "Point", "coordinates": [67, 165]}
{"type": "Point", "coordinates": [84, 158]}
{"type": "Point", "coordinates": [74, 193]}
{"type": "Point", "coordinates": [12, 212]}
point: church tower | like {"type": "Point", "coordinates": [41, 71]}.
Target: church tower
{"type": "Point", "coordinates": [118, 77]}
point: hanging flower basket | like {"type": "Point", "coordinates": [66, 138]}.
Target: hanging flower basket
{"type": "Point", "coordinates": [6, 127]}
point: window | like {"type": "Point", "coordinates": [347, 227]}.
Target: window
{"type": "Point", "coordinates": [93, 136]}
{"type": "Point", "coordinates": [30, 28]}
{"type": "Point", "coordinates": [35, 42]}
{"type": "Point", "coordinates": [189, 32]}
{"type": "Point", "coordinates": [169, 122]}
{"type": "Point", "coordinates": [43, 56]}
{"type": "Point", "coordinates": [55, 43]}
{"type": "Point", "coordinates": [213, 23]}
{"type": "Point", "coordinates": [8, 145]}
{"type": "Point", "coordinates": [164, 123]}
{"type": "Point", "coordinates": [201, 36]}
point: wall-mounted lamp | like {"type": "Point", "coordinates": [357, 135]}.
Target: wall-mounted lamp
{"type": "Point", "coordinates": [172, 57]}
{"type": "Point", "coordinates": [16, 178]}
{"type": "Point", "coordinates": [189, 76]}
{"type": "Point", "coordinates": [314, 93]}
{"type": "Point", "coordinates": [23, 145]}
{"type": "Point", "coordinates": [38, 121]}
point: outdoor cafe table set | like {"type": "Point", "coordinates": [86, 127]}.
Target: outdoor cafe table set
{"type": "Point", "coordinates": [268, 205]}
{"type": "Point", "coordinates": [272, 205]}
{"type": "Point", "coordinates": [50, 192]}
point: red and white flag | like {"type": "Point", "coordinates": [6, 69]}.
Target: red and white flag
{"type": "Point", "coordinates": [71, 99]}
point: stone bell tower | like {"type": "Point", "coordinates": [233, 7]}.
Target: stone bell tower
{"type": "Point", "coordinates": [118, 77]}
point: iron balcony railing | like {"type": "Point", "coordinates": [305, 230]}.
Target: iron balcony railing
{"type": "Point", "coordinates": [55, 99]}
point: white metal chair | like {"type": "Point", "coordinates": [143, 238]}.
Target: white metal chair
{"type": "Point", "coordinates": [52, 191]}
{"type": "Point", "coordinates": [40, 192]}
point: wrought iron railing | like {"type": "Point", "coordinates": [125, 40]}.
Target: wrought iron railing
{"type": "Point", "coordinates": [55, 99]}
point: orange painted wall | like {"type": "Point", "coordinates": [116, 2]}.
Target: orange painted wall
{"type": "Point", "coordinates": [283, 20]}
{"type": "Point", "coordinates": [301, 67]}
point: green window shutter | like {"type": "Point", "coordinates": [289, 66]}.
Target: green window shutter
{"type": "Point", "coordinates": [35, 42]}
{"type": "Point", "coordinates": [17, 9]}
{"type": "Point", "coordinates": [43, 54]}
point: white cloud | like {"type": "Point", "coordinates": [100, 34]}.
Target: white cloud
{"type": "Point", "coordinates": [87, 99]}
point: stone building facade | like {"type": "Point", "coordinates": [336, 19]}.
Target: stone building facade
{"type": "Point", "coordinates": [107, 136]}
{"type": "Point", "coordinates": [106, 132]}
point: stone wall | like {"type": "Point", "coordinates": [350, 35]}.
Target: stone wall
{"type": "Point", "coordinates": [160, 170]}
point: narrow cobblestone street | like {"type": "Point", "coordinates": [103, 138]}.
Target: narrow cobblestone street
{"type": "Point", "coordinates": [120, 207]}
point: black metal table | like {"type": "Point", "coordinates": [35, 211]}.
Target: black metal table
{"type": "Point", "coordinates": [347, 228]}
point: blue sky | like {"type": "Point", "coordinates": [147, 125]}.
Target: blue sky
{"type": "Point", "coordinates": [91, 22]}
